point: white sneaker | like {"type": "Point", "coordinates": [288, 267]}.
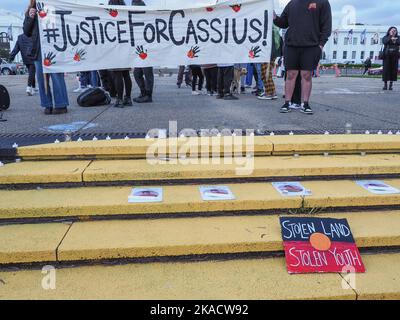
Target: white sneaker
{"type": "Point", "coordinates": [32, 91]}
{"type": "Point", "coordinates": [36, 90]}
{"type": "Point", "coordinates": [295, 106]}
{"type": "Point", "coordinates": [196, 93]}
{"type": "Point", "coordinates": [262, 96]}
{"type": "Point", "coordinates": [29, 91]}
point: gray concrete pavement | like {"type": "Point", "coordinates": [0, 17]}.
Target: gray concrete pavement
{"type": "Point", "coordinates": [336, 101]}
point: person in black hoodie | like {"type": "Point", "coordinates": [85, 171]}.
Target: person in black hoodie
{"type": "Point", "coordinates": [144, 77]}
{"type": "Point", "coordinates": [24, 46]}
{"type": "Point", "coordinates": [60, 104]}
{"type": "Point", "coordinates": [391, 57]}
{"type": "Point", "coordinates": [309, 24]}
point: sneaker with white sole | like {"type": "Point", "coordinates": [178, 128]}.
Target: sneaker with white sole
{"type": "Point", "coordinates": [262, 96]}
{"type": "Point", "coordinates": [295, 106]}
{"type": "Point", "coordinates": [29, 91]}
{"type": "Point", "coordinates": [196, 93]}
{"type": "Point", "coordinates": [77, 90]}
{"type": "Point", "coordinates": [267, 97]}
{"type": "Point", "coordinates": [305, 108]}
{"type": "Point", "coordinates": [285, 108]}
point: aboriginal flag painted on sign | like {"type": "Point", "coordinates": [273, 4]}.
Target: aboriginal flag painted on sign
{"type": "Point", "coordinates": [319, 245]}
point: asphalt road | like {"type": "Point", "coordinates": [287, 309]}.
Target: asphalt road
{"type": "Point", "coordinates": [336, 101]}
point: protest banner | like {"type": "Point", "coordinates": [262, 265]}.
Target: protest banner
{"type": "Point", "coordinates": [83, 37]}
{"type": "Point", "coordinates": [314, 245]}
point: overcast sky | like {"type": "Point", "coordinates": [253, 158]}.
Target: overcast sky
{"type": "Point", "coordinates": [366, 11]}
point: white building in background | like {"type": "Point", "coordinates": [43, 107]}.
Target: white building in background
{"type": "Point", "coordinates": [354, 44]}
{"type": "Point", "coordinates": [10, 27]}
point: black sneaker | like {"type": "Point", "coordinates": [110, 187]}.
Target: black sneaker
{"type": "Point", "coordinates": [230, 97]}
{"type": "Point", "coordinates": [127, 102]}
{"type": "Point", "coordinates": [118, 104]}
{"type": "Point", "coordinates": [60, 110]}
{"type": "Point", "coordinates": [220, 96]}
{"type": "Point", "coordinates": [139, 98]}
{"type": "Point", "coordinates": [306, 109]}
{"type": "Point", "coordinates": [144, 99]}
{"type": "Point", "coordinates": [285, 108]}
{"type": "Point", "coordinates": [48, 111]}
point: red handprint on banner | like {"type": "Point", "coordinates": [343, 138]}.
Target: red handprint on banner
{"type": "Point", "coordinates": [49, 59]}
{"type": "Point", "coordinates": [254, 52]}
{"type": "Point", "coordinates": [141, 52]}
{"type": "Point", "coordinates": [192, 53]}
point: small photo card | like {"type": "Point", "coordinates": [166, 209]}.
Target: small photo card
{"type": "Point", "coordinates": [377, 187]}
{"type": "Point", "coordinates": [289, 189]}
{"type": "Point", "coordinates": [140, 195]}
{"type": "Point", "coordinates": [214, 193]}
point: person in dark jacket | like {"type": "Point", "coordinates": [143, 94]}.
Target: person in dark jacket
{"type": "Point", "coordinates": [367, 65]}
{"type": "Point", "coordinates": [122, 77]}
{"type": "Point", "coordinates": [24, 46]}
{"type": "Point", "coordinates": [144, 77]}
{"type": "Point", "coordinates": [309, 26]}
{"type": "Point", "coordinates": [391, 48]}
{"type": "Point", "coordinates": [60, 104]}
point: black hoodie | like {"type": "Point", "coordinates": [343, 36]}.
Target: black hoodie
{"type": "Point", "coordinates": [138, 3]}
{"type": "Point", "coordinates": [309, 22]}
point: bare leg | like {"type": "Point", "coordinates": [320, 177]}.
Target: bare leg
{"type": "Point", "coordinates": [290, 84]}
{"type": "Point", "coordinates": [306, 85]}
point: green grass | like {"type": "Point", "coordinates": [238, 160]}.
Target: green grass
{"type": "Point", "coordinates": [361, 76]}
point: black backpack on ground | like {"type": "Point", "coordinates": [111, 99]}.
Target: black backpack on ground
{"type": "Point", "coordinates": [4, 98]}
{"type": "Point", "coordinates": [94, 97]}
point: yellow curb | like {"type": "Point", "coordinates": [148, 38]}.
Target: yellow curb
{"type": "Point", "coordinates": [217, 235]}
{"type": "Point", "coordinates": [280, 166]}
{"type": "Point", "coordinates": [313, 144]}
{"type": "Point", "coordinates": [185, 199]}
{"type": "Point", "coordinates": [43, 172]}
{"type": "Point", "coordinates": [381, 280]}
{"type": "Point", "coordinates": [30, 243]}
{"type": "Point", "coordinates": [147, 148]}
{"type": "Point", "coordinates": [223, 280]}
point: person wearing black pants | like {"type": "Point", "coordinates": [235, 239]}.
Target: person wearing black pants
{"type": "Point", "coordinates": [225, 78]}
{"type": "Point", "coordinates": [24, 46]}
{"type": "Point", "coordinates": [144, 78]}
{"type": "Point", "coordinates": [122, 79]}
{"type": "Point", "coordinates": [31, 76]}
{"type": "Point", "coordinates": [188, 76]}
{"type": "Point", "coordinates": [391, 57]}
{"type": "Point", "coordinates": [211, 74]}
{"type": "Point", "coordinates": [197, 74]}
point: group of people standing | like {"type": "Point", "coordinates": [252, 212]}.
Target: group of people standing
{"type": "Point", "coordinates": [118, 79]}
{"type": "Point", "coordinates": [308, 27]}
{"type": "Point", "coordinates": [224, 80]}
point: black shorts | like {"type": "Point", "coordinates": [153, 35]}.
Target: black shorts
{"type": "Point", "coordinates": [302, 58]}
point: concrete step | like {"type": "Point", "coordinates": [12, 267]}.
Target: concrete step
{"type": "Point", "coordinates": [260, 145]}
{"type": "Point", "coordinates": [225, 280]}
{"type": "Point", "coordinates": [186, 199]}
{"type": "Point", "coordinates": [279, 167]}
{"type": "Point", "coordinates": [128, 239]}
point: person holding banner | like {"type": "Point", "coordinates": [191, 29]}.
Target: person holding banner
{"type": "Point", "coordinates": [144, 77]}
{"type": "Point", "coordinates": [122, 78]}
{"type": "Point", "coordinates": [309, 25]}
{"type": "Point", "coordinates": [31, 29]}
{"type": "Point", "coordinates": [225, 78]}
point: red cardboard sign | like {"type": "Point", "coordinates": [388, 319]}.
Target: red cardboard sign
{"type": "Point", "coordinates": [315, 245]}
